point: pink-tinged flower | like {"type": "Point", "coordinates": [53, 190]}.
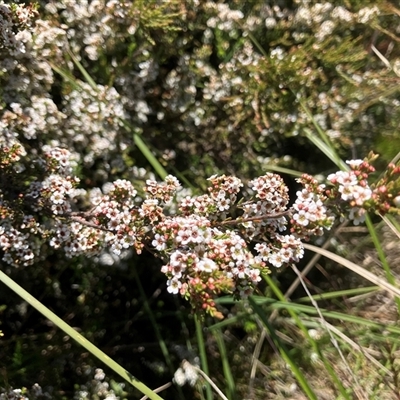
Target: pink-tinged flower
{"type": "Point", "coordinates": [183, 237]}
{"type": "Point", "coordinates": [254, 275]}
{"type": "Point", "coordinates": [172, 181]}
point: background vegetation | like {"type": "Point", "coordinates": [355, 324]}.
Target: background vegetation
{"type": "Point", "coordinates": [196, 88]}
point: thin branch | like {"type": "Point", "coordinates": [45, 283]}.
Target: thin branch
{"type": "Point", "coordinates": [158, 390]}
{"type": "Point", "coordinates": [256, 218]}
{"type": "Point", "coordinates": [207, 378]}
{"type": "Point", "coordinates": [82, 221]}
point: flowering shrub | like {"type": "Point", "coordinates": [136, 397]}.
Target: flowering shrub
{"type": "Point", "coordinates": [203, 80]}
{"type": "Point", "coordinates": [211, 88]}
{"type": "Point", "coordinates": [207, 248]}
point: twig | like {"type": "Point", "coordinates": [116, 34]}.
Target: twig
{"type": "Point", "coordinates": [158, 390]}
{"type": "Point", "coordinates": [215, 387]}
{"type": "Point", "coordinates": [83, 221]}
{"type": "Point", "coordinates": [257, 218]}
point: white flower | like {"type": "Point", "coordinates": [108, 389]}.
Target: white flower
{"type": "Point", "coordinates": [179, 377]}
{"type": "Point", "coordinates": [275, 259]}
{"type": "Point", "coordinates": [186, 374]}
{"type": "Point", "coordinates": [206, 265]}
{"type": "Point", "coordinates": [173, 286]}
{"type": "Point", "coordinates": [358, 215]}
{"type": "Point", "coordinates": [301, 218]}
{"type": "Point", "coordinates": [57, 197]}
{"type": "Point", "coordinates": [354, 163]}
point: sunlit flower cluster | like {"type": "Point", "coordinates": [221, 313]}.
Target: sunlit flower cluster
{"type": "Point", "coordinates": [353, 189]}
{"type": "Point", "coordinates": [310, 214]}
{"type": "Point", "coordinates": [210, 245]}
{"type": "Point", "coordinates": [204, 260]}
{"type": "Point", "coordinates": [162, 192]}
{"type": "Point", "coordinates": [265, 215]}
{"type": "Point", "coordinates": [221, 196]}
{"type": "Point", "coordinates": [12, 26]}
{"type": "Point", "coordinates": [285, 249]}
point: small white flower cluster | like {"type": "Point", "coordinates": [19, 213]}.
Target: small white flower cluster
{"type": "Point", "coordinates": [222, 195]}
{"type": "Point", "coordinates": [164, 191]}
{"type": "Point", "coordinates": [94, 121]}
{"type": "Point", "coordinates": [310, 215]}
{"type": "Point", "coordinates": [34, 393]}
{"type": "Point", "coordinates": [186, 373]}
{"type": "Point", "coordinates": [19, 246]}
{"type": "Point", "coordinates": [116, 212]}
{"type": "Point", "coordinates": [349, 187]}
{"type": "Point", "coordinates": [52, 190]}
{"type": "Point", "coordinates": [12, 25]}
{"type": "Point", "coordinates": [97, 388]}
{"type": "Point", "coordinates": [328, 17]}
{"type": "Point", "coordinates": [57, 189]}
{"type": "Point", "coordinates": [286, 250]}
{"type": "Point", "coordinates": [225, 18]}
{"type": "Point", "coordinates": [197, 249]}
{"type": "Point", "coordinates": [272, 195]}
{"type": "Point", "coordinates": [366, 14]}
{"type": "Point", "coordinates": [13, 394]}
{"type": "Point", "coordinates": [353, 189]}
{"type": "Point", "coordinates": [310, 209]}
{"type": "Point", "coordinates": [76, 239]}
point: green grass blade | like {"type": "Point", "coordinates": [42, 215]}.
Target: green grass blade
{"type": "Point", "coordinates": [313, 343]}
{"type": "Point", "coordinates": [78, 337]}
{"type": "Point", "coordinates": [382, 257]}
{"type": "Point", "coordinates": [302, 308]}
{"type": "Point", "coordinates": [318, 128]}
{"type": "Point", "coordinates": [392, 223]}
{"type": "Point", "coordinates": [326, 149]}
{"type": "Point", "coordinates": [339, 294]}
{"type": "Point", "coordinates": [283, 170]}
{"type": "Point", "coordinates": [83, 71]}
{"type": "Point", "coordinates": [145, 150]}
{"type": "Point", "coordinates": [142, 146]}
{"type": "Point", "coordinates": [283, 351]}
{"type": "Point", "coordinates": [229, 321]}
{"type": "Point", "coordinates": [67, 76]}
{"type": "Point", "coordinates": [230, 382]}
{"type": "Point", "coordinates": [355, 268]}
{"type": "Point", "coordinates": [203, 355]}
{"type": "Point", "coordinates": [149, 313]}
